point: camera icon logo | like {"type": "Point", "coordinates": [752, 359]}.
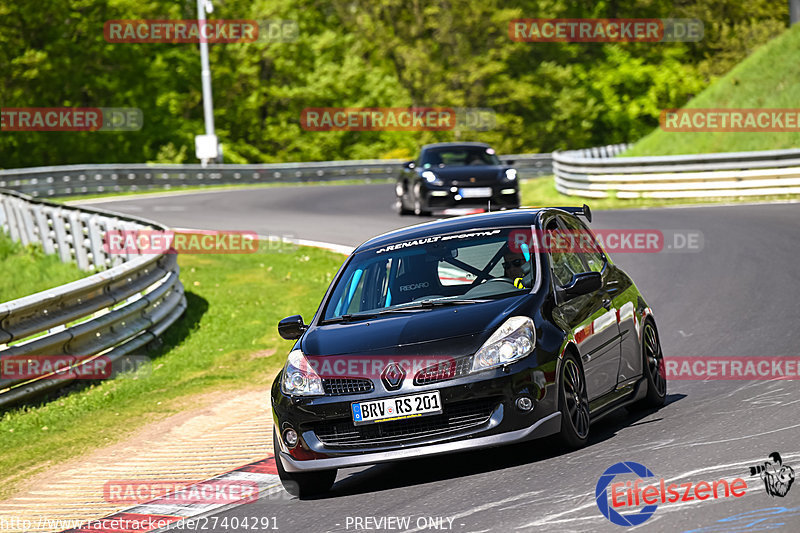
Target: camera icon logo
{"type": "Point", "coordinates": [777, 477]}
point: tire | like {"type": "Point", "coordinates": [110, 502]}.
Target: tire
{"type": "Point", "coordinates": [402, 211]}
{"type": "Point", "coordinates": [574, 402]}
{"type": "Point", "coordinates": [303, 484]}
{"type": "Point", "coordinates": [418, 203]}
{"type": "Point", "coordinates": [653, 368]}
{"type": "Point", "coordinates": [399, 207]}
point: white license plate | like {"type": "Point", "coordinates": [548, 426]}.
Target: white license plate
{"type": "Point", "coordinates": [476, 192]}
{"type": "Point", "coordinates": [398, 408]}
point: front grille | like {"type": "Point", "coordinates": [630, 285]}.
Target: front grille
{"type": "Point", "coordinates": [341, 386]}
{"type": "Point", "coordinates": [456, 417]}
{"type": "Point", "coordinates": [443, 371]}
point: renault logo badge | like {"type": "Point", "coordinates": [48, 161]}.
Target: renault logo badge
{"type": "Point", "coordinates": [392, 376]}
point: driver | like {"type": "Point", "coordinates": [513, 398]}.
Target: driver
{"type": "Point", "coordinates": [512, 267]}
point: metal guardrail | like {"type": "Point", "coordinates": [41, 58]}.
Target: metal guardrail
{"type": "Point", "coordinates": [44, 182]}
{"type": "Point", "coordinates": [596, 173]}
{"type": "Point", "coordinates": [114, 312]}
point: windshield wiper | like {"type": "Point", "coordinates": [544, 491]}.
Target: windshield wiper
{"type": "Point", "coordinates": [413, 307]}
{"type": "Point", "coordinates": [430, 304]}
{"type": "Point", "coordinates": [349, 318]}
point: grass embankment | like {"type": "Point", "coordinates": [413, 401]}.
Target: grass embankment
{"type": "Point", "coordinates": [768, 78]}
{"type": "Point", "coordinates": [226, 340]}
{"type": "Point", "coordinates": [27, 270]}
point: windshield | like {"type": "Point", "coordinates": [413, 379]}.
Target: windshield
{"type": "Point", "coordinates": [445, 269]}
{"type": "Point", "coordinates": [459, 156]}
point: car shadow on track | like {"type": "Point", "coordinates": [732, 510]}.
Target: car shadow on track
{"type": "Point", "coordinates": [452, 466]}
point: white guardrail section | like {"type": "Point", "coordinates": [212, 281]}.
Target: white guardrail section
{"type": "Point", "coordinates": [596, 173]}
{"type": "Point", "coordinates": [114, 312]}
{"type": "Point", "coordinates": [44, 182]}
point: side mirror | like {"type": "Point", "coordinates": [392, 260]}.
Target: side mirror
{"type": "Point", "coordinates": [292, 327]}
{"type": "Point", "coordinates": [509, 162]}
{"type": "Point", "coordinates": [409, 165]}
{"type": "Point", "coordinates": [580, 284]}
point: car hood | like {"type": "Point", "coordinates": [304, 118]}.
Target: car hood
{"type": "Point", "coordinates": [464, 175]}
{"type": "Point", "coordinates": [457, 330]}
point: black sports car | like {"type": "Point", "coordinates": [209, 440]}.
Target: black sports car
{"type": "Point", "coordinates": [449, 175]}
{"type": "Point", "coordinates": [459, 334]}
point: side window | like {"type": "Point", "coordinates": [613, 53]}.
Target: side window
{"type": "Point", "coordinates": [592, 255]}
{"type": "Point", "coordinates": [564, 262]}
{"type": "Point", "coordinates": [366, 290]}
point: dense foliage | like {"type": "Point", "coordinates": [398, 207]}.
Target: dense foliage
{"type": "Point", "coordinates": [358, 53]}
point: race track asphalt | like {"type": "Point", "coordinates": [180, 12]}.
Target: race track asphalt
{"type": "Point", "coordinates": [737, 296]}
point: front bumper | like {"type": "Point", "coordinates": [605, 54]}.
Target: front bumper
{"type": "Point", "coordinates": [546, 426]}
{"type": "Point", "coordinates": [446, 196]}
{"type": "Point", "coordinates": [504, 423]}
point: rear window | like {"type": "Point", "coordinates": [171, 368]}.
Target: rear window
{"type": "Point", "coordinates": [459, 156]}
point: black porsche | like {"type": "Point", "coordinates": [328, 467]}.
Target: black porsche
{"type": "Point", "coordinates": [459, 334]}
{"type": "Point", "coordinates": [453, 175]}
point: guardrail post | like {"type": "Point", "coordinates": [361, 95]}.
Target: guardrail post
{"type": "Point", "coordinates": [78, 240]}
{"type": "Point", "coordinates": [45, 235]}
{"type": "Point", "coordinates": [28, 227]}
{"type": "Point", "coordinates": [13, 219]}
{"type": "Point", "coordinates": [59, 227]}
{"type": "Point", "coordinates": [96, 242]}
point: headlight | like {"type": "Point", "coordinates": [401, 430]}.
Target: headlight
{"type": "Point", "coordinates": [299, 378]}
{"type": "Point", "coordinates": [512, 341]}
{"type": "Point", "coordinates": [431, 178]}
{"type": "Point", "coordinates": [511, 174]}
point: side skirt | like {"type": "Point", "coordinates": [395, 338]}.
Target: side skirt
{"type": "Point", "coordinates": [614, 400]}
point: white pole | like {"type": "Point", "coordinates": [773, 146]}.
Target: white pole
{"type": "Point", "coordinates": [205, 74]}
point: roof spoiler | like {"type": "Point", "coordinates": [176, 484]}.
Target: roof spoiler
{"type": "Point", "coordinates": [579, 211]}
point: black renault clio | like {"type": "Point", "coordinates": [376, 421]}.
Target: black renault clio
{"type": "Point", "coordinates": [460, 334]}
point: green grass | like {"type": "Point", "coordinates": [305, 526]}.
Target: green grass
{"type": "Point", "coordinates": [768, 78]}
{"type": "Point", "coordinates": [227, 340]}
{"type": "Point", "coordinates": [203, 188]}
{"type": "Point", "coordinates": [542, 192]}
{"type": "Point", "coordinates": [33, 271]}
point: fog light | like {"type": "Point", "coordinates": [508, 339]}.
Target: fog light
{"type": "Point", "coordinates": [290, 438]}
{"type": "Point", "coordinates": [524, 403]}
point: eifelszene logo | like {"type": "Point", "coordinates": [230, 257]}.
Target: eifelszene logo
{"type": "Point", "coordinates": [634, 493]}
{"type": "Point", "coordinates": [601, 494]}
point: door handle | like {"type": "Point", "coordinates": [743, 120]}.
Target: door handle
{"type": "Point", "coordinates": [607, 303]}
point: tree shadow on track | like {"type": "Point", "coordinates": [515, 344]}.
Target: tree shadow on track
{"type": "Point", "coordinates": [456, 465]}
